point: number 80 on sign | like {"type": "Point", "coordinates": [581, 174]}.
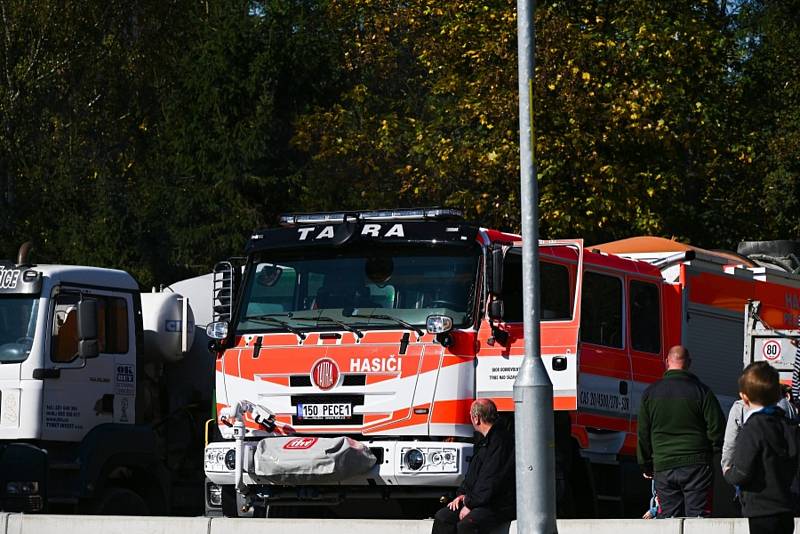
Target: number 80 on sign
{"type": "Point", "coordinates": [771, 350]}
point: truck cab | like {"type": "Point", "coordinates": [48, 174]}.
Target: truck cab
{"type": "Point", "coordinates": [79, 392]}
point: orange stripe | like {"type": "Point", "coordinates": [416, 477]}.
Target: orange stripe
{"type": "Point", "coordinates": [561, 403]}
{"type": "Point", "coordinates": [504, 404]}
{"type": "Point", "coordinates": [451, 411]}
{"type": "Point", "coordinates": [401, 419]}
{"type": "Point", "coordinates": [566, 402]}
{"type": "Point", "coordinates": [372, 418]}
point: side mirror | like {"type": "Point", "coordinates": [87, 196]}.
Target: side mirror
{"type": "Point", "coordinates": [496, 309]}
{"type": "Point", "coordinates": [496, 271]}
{"type": "Point", "coordinates": [87, 329]}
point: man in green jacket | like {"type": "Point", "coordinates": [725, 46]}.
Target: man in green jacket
{"type": "Point", "coordinates": [681, 426]}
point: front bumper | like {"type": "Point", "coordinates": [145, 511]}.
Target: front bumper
{"type": "Point", "coordinates": [444, 464]}
{"type": "Point", "coordinates": [23, 478]}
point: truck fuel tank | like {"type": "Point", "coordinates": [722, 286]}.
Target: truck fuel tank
{"type": "Point", "coordinates": [168, 323]}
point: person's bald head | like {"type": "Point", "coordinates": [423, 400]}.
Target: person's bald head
{"type": "Point", "coordinates": [485, 410]}
{"type": "Point", "coordinates": [678, 358]}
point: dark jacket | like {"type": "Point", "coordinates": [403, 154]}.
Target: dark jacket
{"type": "Point", "coordinates": [765, 462]}
{"type": "Point", "coordinates": [490, 480]}
{"type": "Point", "coordinates": [680, 423]}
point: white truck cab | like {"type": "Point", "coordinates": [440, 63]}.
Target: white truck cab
{"type": "Point", "coordinates": [85, 394]}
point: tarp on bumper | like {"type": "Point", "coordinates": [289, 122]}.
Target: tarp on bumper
{"type": "Point", "coordinates": [295, 460]}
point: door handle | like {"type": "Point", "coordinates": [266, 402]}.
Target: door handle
{"type": "Point", "coordinates": [46, 372]}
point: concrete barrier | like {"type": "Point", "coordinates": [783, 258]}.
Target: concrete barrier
{"type": "Point", "coordinates": [722, 526]}
{"type": "Point", "coordinates": [606, 526]}
{"type": "Point", "coordinates": [11, 523]}
{"type": "Point", "coordinates": [97, 524]}
{"type": "Point", "coordinates": [320, 526]}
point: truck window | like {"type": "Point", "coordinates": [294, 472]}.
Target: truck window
{"type": "Point", "coordinates": [273, 290]}
{"type": "Point", "coordinates": [555, 303]}
{"type": "Point", "coordinates": [17, 327]}
{"type": "Point", "coordinates": [354, 285]}
{"type": "Point", "coordinates": [645, 319]}
{"type": "Point", "coordinates": [601, 310]}
{"type": "Point", "coordinates": [112, 327]}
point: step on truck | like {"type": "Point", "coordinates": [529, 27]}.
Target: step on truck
{"type": "Point", "coordinates": [103, 393]}
{"type": "Point", "coordinates": [351, 345]}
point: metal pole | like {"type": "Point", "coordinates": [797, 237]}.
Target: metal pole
{"type": "Point", "coordinates": [533, 391]}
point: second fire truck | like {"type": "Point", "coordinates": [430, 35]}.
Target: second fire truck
{"type": "Point", "coordinates": [351, 345]}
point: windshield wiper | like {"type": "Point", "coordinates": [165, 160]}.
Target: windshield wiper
{"type": "Point", "coordinates": [401, 322]}
{"type": "Point", "coordinates": [268, 318]}
{"type": "Point", "coordinates": [349, 328]}
{"type": "Point", "coordinates": [271, 317]}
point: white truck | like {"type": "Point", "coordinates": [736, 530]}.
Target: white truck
{"type": "Point", "coordinates": [103, 394]}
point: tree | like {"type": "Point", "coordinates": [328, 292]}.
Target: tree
{"type": "Point", "coordinates": [629, 105]}
{"type": "Point", "coordinates": [769, 99]}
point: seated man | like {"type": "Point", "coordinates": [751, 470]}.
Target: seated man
{"type": "Point", "coordinates": [487, 496]}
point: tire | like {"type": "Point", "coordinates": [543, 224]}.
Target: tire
{"type": "Point", "coordinates": [121, 501]}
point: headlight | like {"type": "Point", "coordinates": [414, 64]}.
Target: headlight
{"type": "Point", "coordinates": [429, 460]}
{"type": "Point", "coordinates": [220, 459]}
{"type": "Point", "coordinates": [230, 459]}
{"type": "Point", "coordinates": [414, 459]}
{"type": "Point", "coordinates": [22, 488]}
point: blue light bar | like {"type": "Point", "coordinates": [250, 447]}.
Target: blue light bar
{"type": "Point", "coordinates": [411, 214]}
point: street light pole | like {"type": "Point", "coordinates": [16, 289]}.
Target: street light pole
{"type": "Point", "coordinates": [533, 391]}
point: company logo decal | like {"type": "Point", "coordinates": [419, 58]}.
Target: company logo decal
{"type": "Point", "coordinates": [8, 278]}
{"type": "Point", "coordinates": [392, 364]}
{"type": "Point", "coordinates": [300, 443]}
{"type": "Point", "coordinates": [325, 374]}
{"type": "Point", "coordinates": [328, 232]}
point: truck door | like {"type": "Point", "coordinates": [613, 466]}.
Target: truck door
{"type": "Point", "coordinates": [645, 338]}
{"type": "Point", "coordinates": [497, 365]}
{"type": "Point", "coordinates": [604, 381]}
{"type": "Point", "coordinates": [80, 394]}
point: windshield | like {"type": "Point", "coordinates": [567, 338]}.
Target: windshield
{"type": "Point", "coordinates": [17, 327]}
{"type": "Point", "coordinates": [382, 288]}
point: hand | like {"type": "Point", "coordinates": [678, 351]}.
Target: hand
{"type": "Point", "coordinates": [648, 515]}
{"type": "Point", "coordinates": [463, 513]}
{"type": "Point", "coordinates": [456, 503]}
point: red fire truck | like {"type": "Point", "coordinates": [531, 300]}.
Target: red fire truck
{"type": "Point", "coordinates": [350, 346]}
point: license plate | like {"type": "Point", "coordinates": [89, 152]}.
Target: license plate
{"type": "Point", "coordinates": [324, 411]}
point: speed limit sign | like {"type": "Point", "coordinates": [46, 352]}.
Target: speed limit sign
{"type": "Point", "coordinates": [771, 350]}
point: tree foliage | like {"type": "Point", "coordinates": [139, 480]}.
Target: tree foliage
{"type": "Point", "coordinates": [153, 136]}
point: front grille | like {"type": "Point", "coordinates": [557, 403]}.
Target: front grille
{"type": "Point", "coordinates": [24, 503]}
{"type": "Point", "coordinates": [353, 400]}
{"type": "Point", "coordinates": [299, 381]}
{"type": "Point", "coordinates": [304, 381]}
{"type": "Point", "coordinates": [354, 380]}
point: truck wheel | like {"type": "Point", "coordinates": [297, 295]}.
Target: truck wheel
{"type": "Point", "coordinates": [121, 501]}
